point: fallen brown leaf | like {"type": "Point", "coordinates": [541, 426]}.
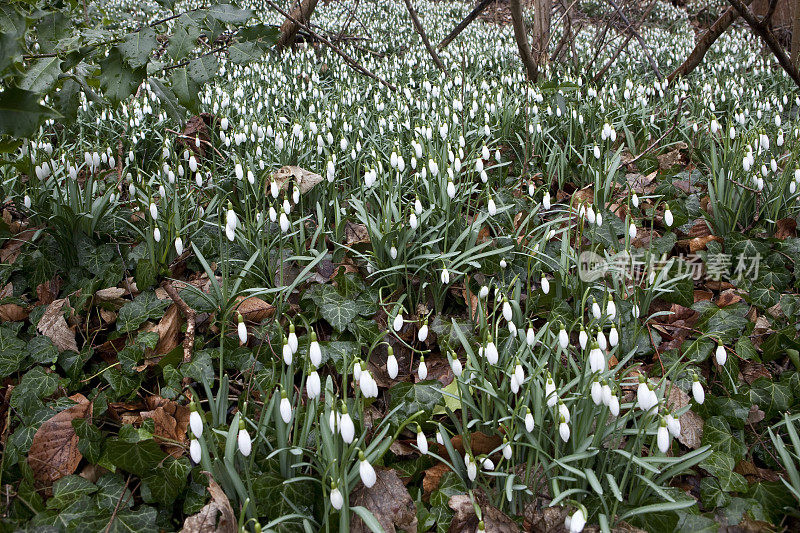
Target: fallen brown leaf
{"type": "Point", "coordinates": [53, 325]}
{"type": "Point", "coordinates": [254, 309]}
{"type": "Point", "coordinates": [388, 500]}
{"type": "Point", "coordinates": [54, 451]}
{"type": "Point", "coordinates": [787, 227]}
{"type": "Point", "coordinates": [355, 234]}
{"type": "Point", "coordinates": [171, 422]}
{"type": "Point", "coordinates": [433, 476]}
{"type": "Point", "coordinates": [11, 312]}
{"type": "Point", "coordinates": [691, 422]}
{"type": "Point", "coordinates": [216, 516]}
{"type": "Point", "coordinates": [465, 518]}
{"type": "Point", "coordinates": [304, 179]}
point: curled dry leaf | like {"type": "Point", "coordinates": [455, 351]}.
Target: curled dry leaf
{"type": "Point", "coordinates": [171, 422]}
{"type": "Point", "coordinates": [48, 291]}
{"type": "Point", "coordinates": [465, 518]}
{"type": "Point", "coordinates": [54, 451]}
{"type": "Point", "coordinates": [388, 500]}
{"type": "Point", "coordinates": [355, 234]}
{"type": "Point", "coordinates": [111, 297]}
{"type": "Point", "coordinates": [168, 330]}
{"type": "Point", "coordinates": [53, 325]}
{"type": "Point", "coordinates": [304, 179]}
{"type": "Point", "coordinates": [691, 422]}
{"type": "Point", "coordinates": [216, 516]}
{"type": "Point", "coordinates": [11, 312]}
{"type": "Point", "coordinates": [254, 309]}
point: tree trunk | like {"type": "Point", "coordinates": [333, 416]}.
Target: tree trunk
{"type": "Point", "coordinates": [706, 41]}
{"type": "Point", "coordinates": [541, 30]}
{"type": "Point", "coordinates": [301, 13]}
{"type": "Point", "coordinates": [796, 32]}
{"type": "Point", "coordinates": [521, 36]}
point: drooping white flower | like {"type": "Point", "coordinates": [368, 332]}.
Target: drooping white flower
{"type": "Point", "coordinates": [195, 452]}
{"type": "Point", "coordinates": [491, 353]}
{"type": "Point", "coordinates": [597, 361]}
{"type": "Point", "coordinates": [195, 421]}
{"type": "Point", "coordinates": [530, 336]}
{"type": "Point", "coordinates": [285, 408]}
{"type": "Point", "coordinates": [337, 500]}
{"type": "Point", "coordinates": [422, 370]}
{"type": "Point", "coordinates": [287, 352]}
{"type": "Point", "coordinates": [507, 451]}
{"type": "Point", "coordinates": [157, 235]}
{"type": "Point", "coordinates": [153, 211]}
{"type": "Point", "coordinates": [346, 428]}
{"type": "Point", "coordinates": [613, 405]}
{"type": "Point", "coordinates": [563, 410]}
{"type": "Point", "coordinates": [596, 313]}
{"type": "Point", "coordinates": [241, 329]}
{"type": "Point", "coordinates": [550, 391]}
{"type": "Point", "coordinates": [455, 364]}
{"type": "Point", "coordinates": [314, 351]}
{"type": "Point", "coordinates": [673, 425]}
{"type": "Point", "coordinates": [445, 276]}
{"type": "Point", "coordinates": [313, 384]}
{"type": "Point", "coordinates": [422, 441]}
{"type": "Point", "coordinates": [178, 245]}
{"type": "Point", "coordinates": [721, 355]}
{"type": "Point", "coordinates": [491, 207]}
{"type": "Point", "coordinates": [244, 440]}
{"type": "Point", "coordinates": [545, 285]}
{"type": "Point", "coordinates": [663, 437]}
{"type": "Point", "coordinates": [613, 336]}
{"type": "Point", "coordinates": [283, 220]}
{"type": "Point", "coordinates": [668, 219]}
{"type": "Point", "coordinates": [597, 392]}
{"type": "Point", "coordinates": [583, 338]}
{"type": "Point", "coordinates": [472, 467]}
{"type": "Point", "coordinates": [697, 391]}
{"type": "Point", "coordinates": [563, 430]}
{"type": "Point", "coordinates": [606, 393]}
{"type": "Point", "coordinates": [484, 292]}
{"type": "Point", "coordinates": [391, 364]}
{"type": "Point", "coordinates": [368, 476]}
{"type": "Point", "coordinates": [563, 337]}
{"type": "Point", "coordinates": [422, 334]}
{"type": "Point", "coordinates": [577, 521]}
{"type": "Point", "coordinates": [397, 323]}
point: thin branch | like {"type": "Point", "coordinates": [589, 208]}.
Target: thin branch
{"type": "Point", "coordinates": [639, 38]}
{"type": "Point", "coordinates": [661, 138]}
{"type": "Point", "coordinates": [421, 31]}
{"type": "Point", "coordinates": [349, 60]}
{"type": "Point", "coordinates": [480, 8]}
{"type": "Point", "coordinates": [191, 317]}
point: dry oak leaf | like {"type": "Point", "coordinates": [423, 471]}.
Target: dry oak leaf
{"type": "Point", "coordinates": [355, 234]}
{"type": "Point", "coordinates": [168, 330]}
{"type": "Point", "coordinates": [48, 291]}
{"type": "Point", "coordinates": [388, 500]}
{"type": "Point", "coordinates": [171, 422]}
{"type": "Point", "coordinates": [691, 422]}
{"type": "Point", "coordinates": [111, 297]}
{"type": "Point", "coordinates": [216, 516]}
{"type": "Point", "coordinates": [254, 309]}
{"type": "Point", "coordinates": [787, 227]}
{"type": "Point", "coordinates": [465, 519]}
{"type": "Point", "coordinates": [53, 325]}
{"type": "Point", "coordinates": [54, 451]}
{"type": "Point", "coordinates": [11, 249]}
{"type": "Point", "coordinates": [11, 312]}
{"type": "Point", "coordinates": [433, 476]}
{"type": "Point", "coordinates": [304, 179]}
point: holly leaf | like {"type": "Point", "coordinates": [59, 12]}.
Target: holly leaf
{"type": "Point", "coordinates": [184, 38]}
{"type": "Point", "coordinates": [42, 75]}
{"type": "Point", "coordinates": [229, 14]}
{"type": "Point", "coordinates": [118, 79]}
{"type": "Point", "coordinates": [137, 47]}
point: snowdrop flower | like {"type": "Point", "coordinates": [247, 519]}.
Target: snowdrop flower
{"type": "Point", "coordinates": [418, 206]}
{"type": "Point", "coordinates": [412, 221]}
{"type": "Point", "coordinates": [195, 420]}
{"type": "Point", "coordinates": [632, 231]}
{"type": "Point", "coordinates": [507, 312]}
{"type": "Point", "coordinates": [397, 323]}
{"type": "Point", "coordinates": [545, 285]}
{"type": "Point", "coordinates": [27, 201]}
{"type": "Point", "coordinates": [346, 428]}
{"type": "Point", "coordinates": [697, 391]}
{"type": "Point", "coordinates": [605, 393]}
{"type": "Point", "coordinates": [244, 440]}
{"type": "Point", "coordinates": [597, 392]}
{"type": "Point", "coordinates": [563, 337]}
{"type": "Point", "coordinates": [484, 292]}
{"type": "Point", "coordinates": [283, 221]}
{"type": "Point", "coordinates": [490, 352]}
{"type": "Point", "coordinates": [546, 200]}
{"type": "Point", "coordinates": [576, 522]}
{"type": "Point", "coordinates": [613, 336]}
{"type": "Point", "coordinates": [472, 467]}
{"type": "Point", "coordinates": [597, 361]}
{"type": "Point", "coordinates": [422, 334]}
{"type": "Point", "coordinates": [645, 396]}
{"type": "Point", "coordinates": [668, 219]}
{"type": "Point", "coordinates": [663, 437]}
{"type": "Point", "coordinates": [422, 370]}
{"type": "Point", "coordinates": [241, 329]}
{"type": "Point", "coordinates": [157, 235]}
{"type": "Point", "coordinates": [368, 476]}
{"type": "Point", "coordinates": [611, 309]}
{"type": "Point", "coordinates": [563, 411]}
{"type": "Point", "coordinates": [613, 405]}
{"type": "Point", "coordinates": [445, 276]}
{"type": "Point", "coordinates": [530, 336]}
{"type": "Point", "coordinates": [178, 245]}
{"type": "Point", "coordinates": [451, 189]}
{"type": "Point", "coordinates": [293, 344]}
{"type": "Point", "coordinates": [503, 263]}
{"type": "Point", "coordinates": [583, 338]}
{"type": "Point", "coordinates": [195, 451]}
{"type": "Point", "coordinates": [635, 200]}
{"type": "Point", "coordinates": [563, 430]}
{"type": "Point", "coordinates": [422, 442]}
{"type": "Point", "coordinates": [590, 216]}
{"type": "Point", "coordinates": [721, 355]}
{"type": "Point", "coordinates": [314, 351]}
{"type": "Point", "coordinates": [529, 421]}
{"type": "Point", "coordinates": [391, 363]}
{"type": "Point", "coordinates": [673, 425]}
{"type": "Point", "coordinates": [596, 152]}
{"type": "Point", "coordinates": [337, 500]}
{"type": "Point", "coordinates": [507, 451]}
{"type": "Point", "coordinates": [153, 211]}
{"type": "Point", "coordinates": [487, 464]}
{"type": "Point", "coordinates": [455, 364]}
{"type": "Point", "coordinates": [596, 309]}
{"type": "Point", "coordinates": [287, 352]}
{"type": "Point", "coordinates": [550, 391]}
{"type": "Point", "coordinates": [313, 384]}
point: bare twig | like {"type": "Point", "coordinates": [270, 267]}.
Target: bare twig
{"type": "Point", "coordinates": [421, 31]}
{"type": "Point", "coordinates": [521, 36]}
{"type": "Point", "coordinates": [661, 138]}
{"type": "Point", "coordinates": [622, 46]}
{"type": "Point", "coordinates": [639, 38]}
{"type": "Point", "coordinates": [190, 315]}
{"type": "Point", "coordinates": [480, 8]}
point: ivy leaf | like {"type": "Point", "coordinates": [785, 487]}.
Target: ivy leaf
{"type": "Point", "coordinates": [203, 68]}
{"type": "Point", "coordinates": [720, 465]}
{"type": "Point", "coordinates": [12, 351]}
{"type": "Point", "coordinates": [137, 47]}
{"type": "Point", "coordinates": [771, 397]}
{"type": "Point", "coordinates": [68, 489]}
{"type": "Point", "coordinates": [414, 397]}
{"type": "Point", "coordinates": [90, 440]}
{"type": "Point", "coordinates": [143, 519]}
{"type": "Point", "coordinates": [717, 434]}
{"type": "Point", "coordinates": [42, 75]}
{"type": "Point", "coordinates": [773, 497]}
{"type": "Point", "coordinates": [337, 310]}
{"type": "Point", "coordinates": [184, 87]}
{"type": "Point", "coordinates": [144, 307]}
{"type": "Point", "coordinates": [712, 495]}
{"type": "Point", "coordinates": [21, 113]}
{"type": "Point", "coordinates": [165, 483]}
{"type": "Point", "coordinates": [118, 79]}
